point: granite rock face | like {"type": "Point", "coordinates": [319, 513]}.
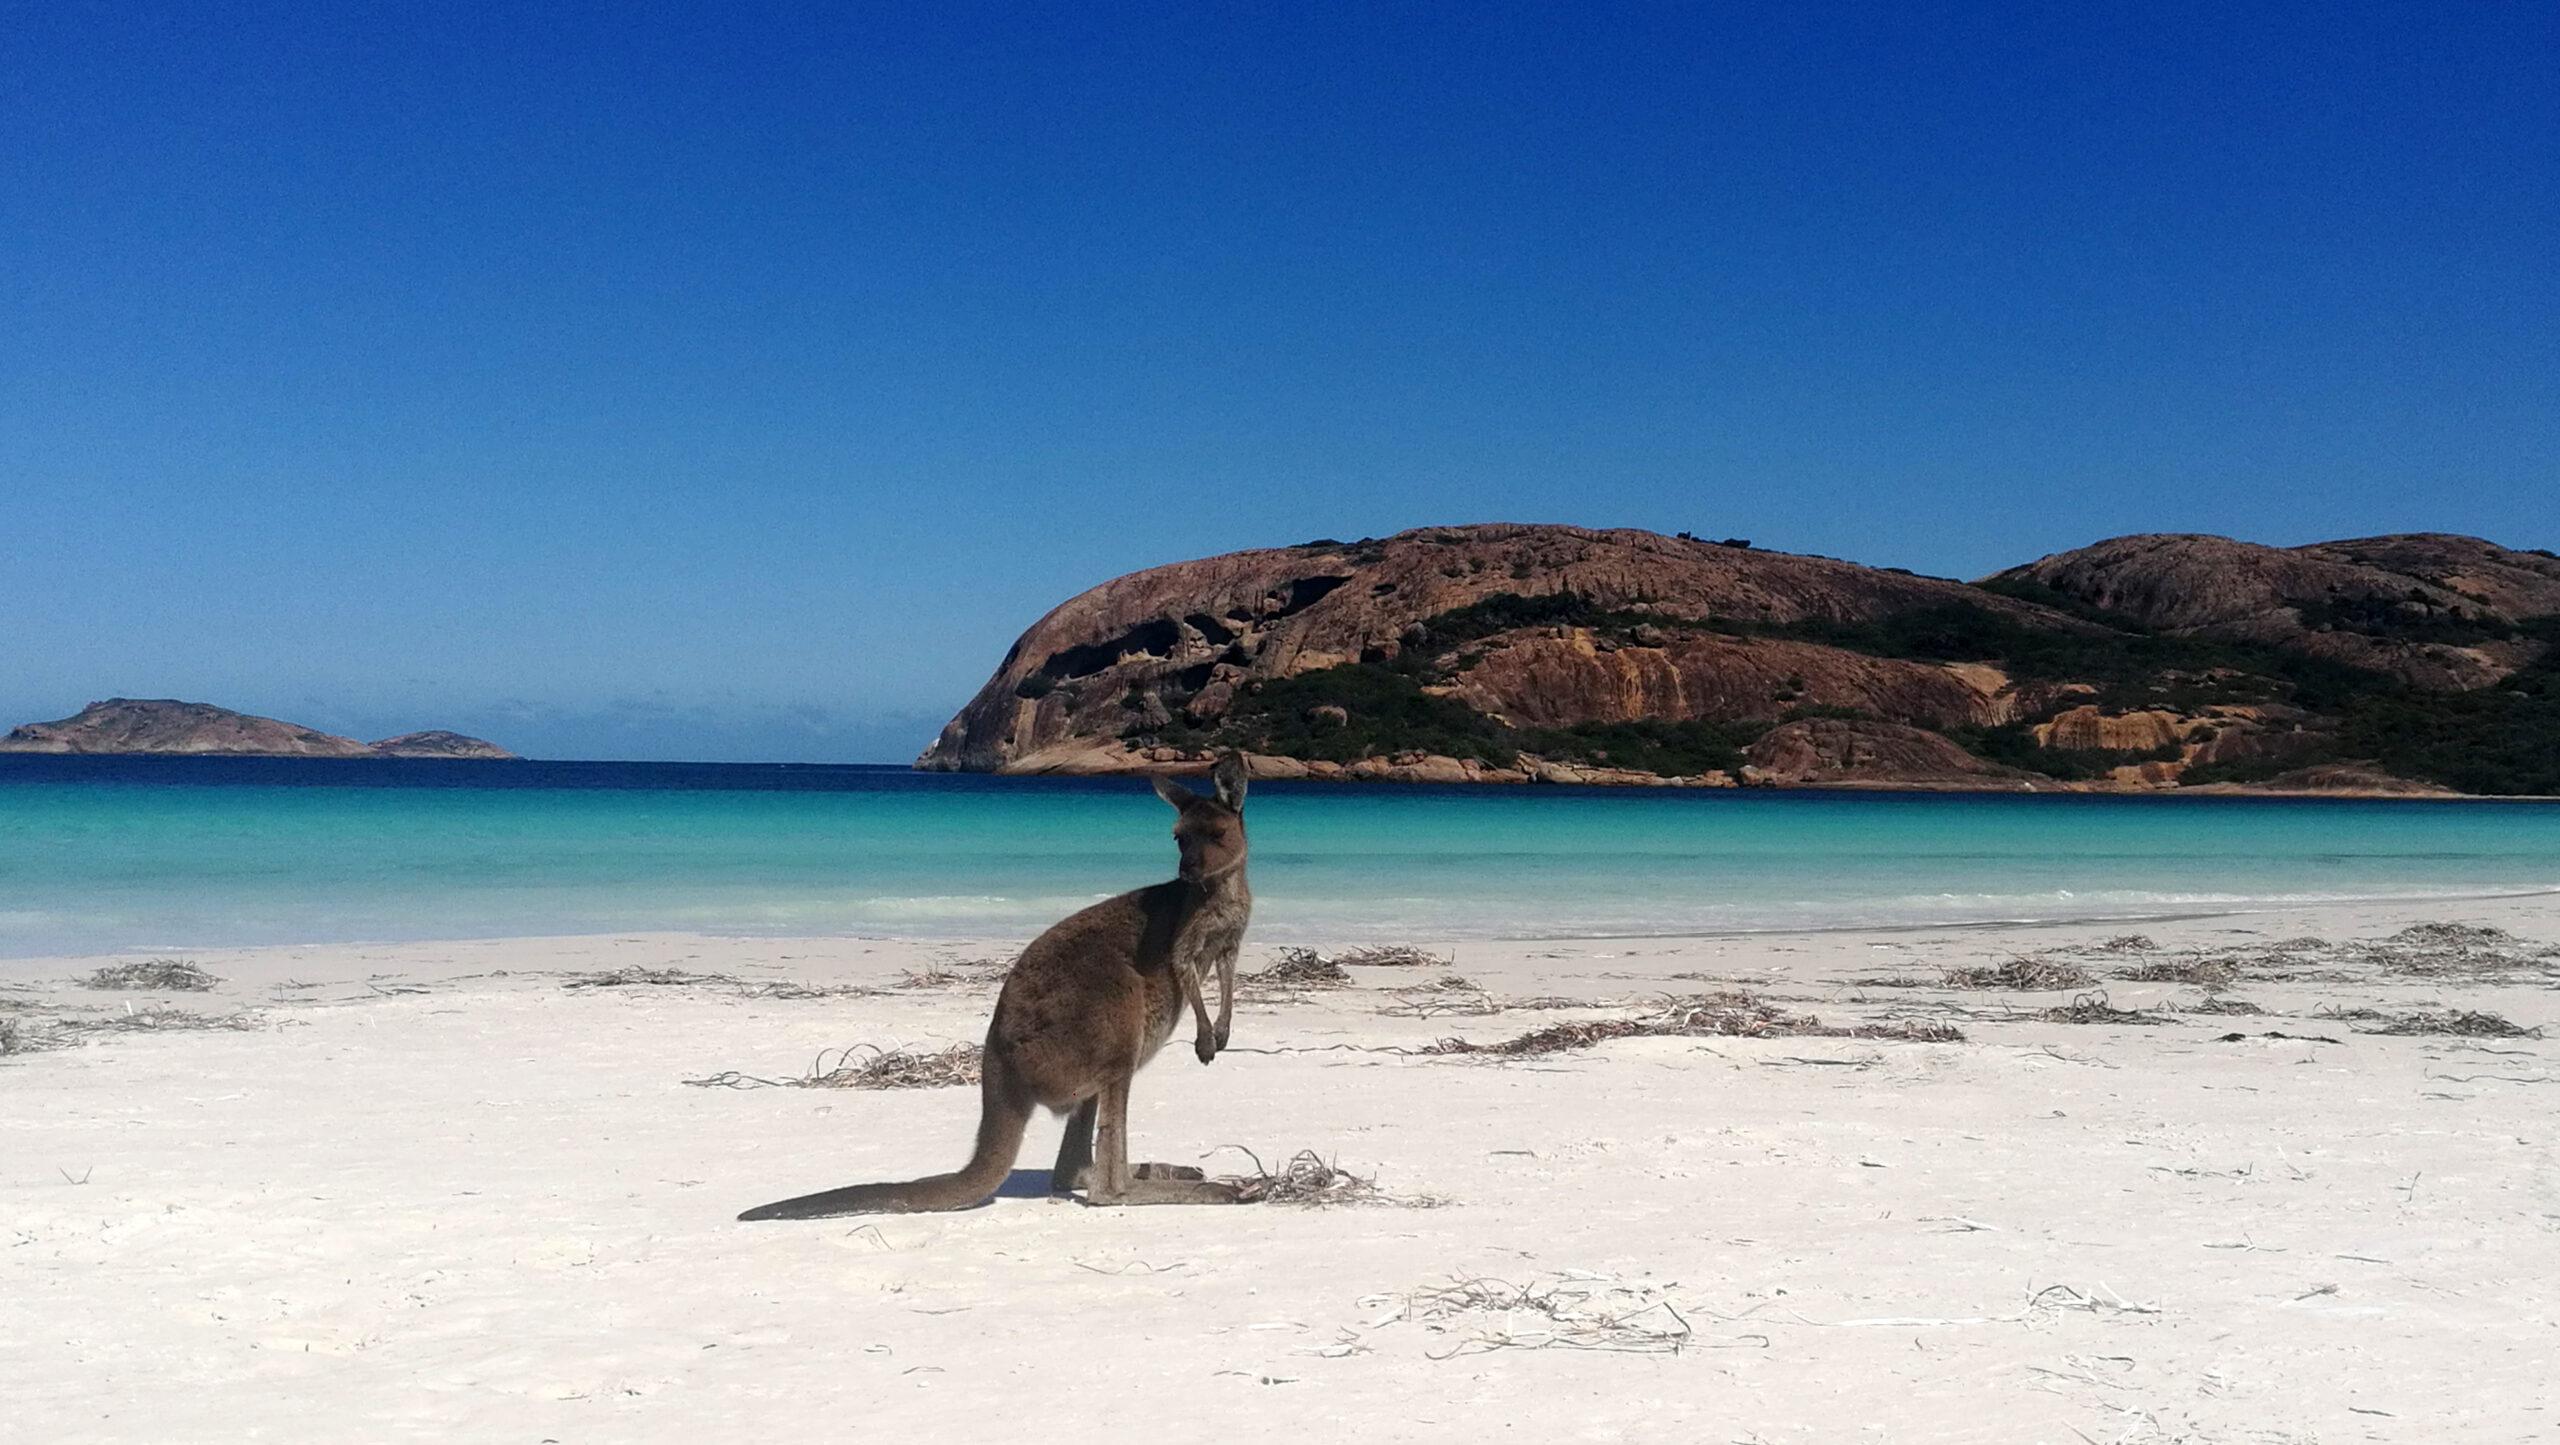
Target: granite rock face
{"type": "Point", "coordinates": [1563, 676]}
{"type": "Point", "coordinates": [1102, 662]}
{"type": "Point", "coordinates": [1530, 653]}
{"type": "Point", "coordinates": [2422, 607]}
{"type": "Point", "coordinates": [1834, 752]}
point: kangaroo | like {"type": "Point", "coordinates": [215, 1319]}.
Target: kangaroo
{"type": "Point", "coordinates": [1085, 1007]}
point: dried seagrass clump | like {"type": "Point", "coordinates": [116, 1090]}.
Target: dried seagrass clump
{"type": "Point", "coordinates": [867, 1066]}
{"type": "Point", "coordinates": [1299, 968]}
{"type": "Point", "coordinates": [166, 975]}
{"type": "Point", "coordinates": [2028, 974]}
{"type": "Point", "coordinates": [2202, 972]}
{"type": "Point", "coordinates": [1719, 1015]}
{"type": "Point", "coordinates": [2458, 1023]}
{"type": "Point", "coordinates": [1312, 1181]}
{"type": "Point", "coordinates": [2093, 1008]}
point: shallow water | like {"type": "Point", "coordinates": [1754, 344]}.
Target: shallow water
{"type": "Point", "coordinates": [102, 854]}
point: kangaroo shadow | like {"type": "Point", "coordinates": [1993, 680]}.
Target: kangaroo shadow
{"type": "Point", "coordinates": [1026, 1184]}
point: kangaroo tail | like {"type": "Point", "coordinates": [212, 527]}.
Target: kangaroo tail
{"type": "Point", "coordinates": [1004, 1111]}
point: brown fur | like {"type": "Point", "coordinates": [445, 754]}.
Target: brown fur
{"type": "Point", "coordinates": [1085, 1007]}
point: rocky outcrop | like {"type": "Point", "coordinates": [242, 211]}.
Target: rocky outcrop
{"type": "Point", "coordinates": [2432, 608]}
{"type": "Point", "coordinates": [169, 727]}
{"type": "Point", "coordinates": [2087, 727]}
{"type": "Point", "coordinates": [438, 743]}
{"type": "Point", "coordinates": [1559, 677]}
{"type": "Point", "coordinates": [162, 725]}
{"type": "Point", "coordinates": [2334, 780]}
{"type": "Point", "coordinates": [1115, 657]}
{"type": "Point", "coordinates": [1511, 653]}
{"type": "Point", "coordinates": [1833, 752]}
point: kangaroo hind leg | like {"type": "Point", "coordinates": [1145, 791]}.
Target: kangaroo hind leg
{"type": "Point", "coordinates": [1075, 1150]}
{"type": "Point", "coordinates": [1113, 1182]}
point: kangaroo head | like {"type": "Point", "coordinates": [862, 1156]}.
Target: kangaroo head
{"type": "Point", "coordinates": [1209, 831]}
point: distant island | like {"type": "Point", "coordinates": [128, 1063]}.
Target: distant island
{"type": "Point", "coordinates": [2417, 664]}
{"type": "Point", "coordinates": [162, 726]}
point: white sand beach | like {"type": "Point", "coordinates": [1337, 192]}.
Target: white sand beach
{"type": "Point", "coordinates": [434, 1192]}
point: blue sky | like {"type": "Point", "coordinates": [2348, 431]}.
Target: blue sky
{"type": "Point", "coordinates": [730, 381]}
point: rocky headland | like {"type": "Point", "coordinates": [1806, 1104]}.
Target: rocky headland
{"type": "Point", "coordinates": [1519, 653]}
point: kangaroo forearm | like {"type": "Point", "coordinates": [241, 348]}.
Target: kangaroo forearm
{"type": "Point", "coordinates": [1197, 997]}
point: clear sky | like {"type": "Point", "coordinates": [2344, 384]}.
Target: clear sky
{"type": "Point", "coordinates": [731, 381]}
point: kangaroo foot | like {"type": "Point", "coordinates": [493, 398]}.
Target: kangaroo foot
{"type": "Point", "coordinates": [1168, 1191]}
{"type": "Point", "coordinates": [1083, 1178]}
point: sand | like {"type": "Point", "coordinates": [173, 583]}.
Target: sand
{"type": "Point", "coordinates": [437, 1194]}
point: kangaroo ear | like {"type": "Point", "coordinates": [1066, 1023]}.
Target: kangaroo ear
{"type": "Point", "coordinates": [1173, 792]}
{"type": "Point", "coordinates": [1230, 778]}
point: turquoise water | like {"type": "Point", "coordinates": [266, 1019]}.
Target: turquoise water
{"type": "Point", "coordinates": [118, 854]}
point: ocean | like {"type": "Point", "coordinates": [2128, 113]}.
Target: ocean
{"type": "Point", "coordinates": [129, 854]}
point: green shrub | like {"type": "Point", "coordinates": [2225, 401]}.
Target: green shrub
{"type": "Point", "coordinates": [1671, 748]}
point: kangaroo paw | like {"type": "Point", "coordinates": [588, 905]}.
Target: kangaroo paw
{"type": "Point", "coordinates": [1164, 1171]}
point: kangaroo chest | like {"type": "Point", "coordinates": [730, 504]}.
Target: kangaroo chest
{"type": "Point", "coordinates": [1211, 936]}
{"type": "Point", "coordinates": [1206, 941]}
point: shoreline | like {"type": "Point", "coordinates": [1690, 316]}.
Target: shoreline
{"type": "Point", "coordinates": [1390, 775]}
{"type": "Point", "coordinates": [2244, 909]}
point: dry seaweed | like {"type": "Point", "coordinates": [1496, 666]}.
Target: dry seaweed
{"type": "Point", "coordinates": [2093, 1008]}
{"type": "Point", "coordinates": [961, 973]}
{"type": "Point", "coordinates": [2031, 974]}
{"type": "Point", "coordinates": [1446, 996]}
{"type": "Point", "coordinates": [1310, 1180]}
{"type": "Point", "coordinates": [1904, 1031]}
{"type": "Point", "coordinates": [1727, 1015]}
{"type": "Point", "coordinates": [1393, 955]}
{"type": "Point", "coordinates": [2464, 1023]}
{"type": "Point", "coordinates": [2451, 950]}
{"type": "Point", "coordinates": [2453, 935]}
{"type": "Point", "coordinates": [2225, 1006]}
{"type": "Point", "coordinates": [865, 1066]}
{"type": "Point", "coordinates": [1445, 983]}
{"type": "Point", "coordinates": [1579, 1312]}
{"type": "Point", "coordinates": [1299, 968]}
{"type": "Point", "coordinates": [166, 975]}
{"type": "Point", "coordinates": [2207, 972]}
{"type": "Point", "coordinates": [791, 990]}
{"type": "Point", "coordinates": [868, 1066]}
{"type": "Point", "coordinates": [160, 1018]}
{"type": "Point", "coordinates": [20, 1034]}
{"type": "Point", "coordinates": [2123, 943]}
{"type": "Point", "coordinates": [638, 977]}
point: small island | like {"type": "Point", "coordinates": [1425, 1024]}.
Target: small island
{"type": "Point", "coordinates": [167, 727]}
